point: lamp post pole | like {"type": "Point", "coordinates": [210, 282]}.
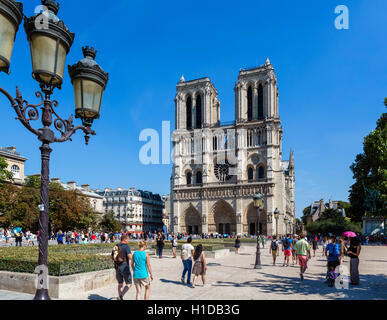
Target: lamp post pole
{"type": "Point", "coordinates": [48, 66]}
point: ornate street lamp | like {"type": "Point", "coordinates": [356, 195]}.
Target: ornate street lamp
{"type": "Point", "coordinates": [276, 216]}
{"type": "Point", "coordinates": [258, 205]}
{"type": "Point", "coordinates": [286, 219]}
{"type": "Point", "coordinates": [11, 15]}
{"type": "Point", "coordinates": [49, 45]}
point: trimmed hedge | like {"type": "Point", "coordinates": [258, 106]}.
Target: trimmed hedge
{"type": "Point", "coordinates": [25, 260]}
{"type": "Point", "coordinates": [66, 260]}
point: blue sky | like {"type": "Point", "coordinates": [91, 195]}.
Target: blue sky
{"type": "Point", "coordinates": [332, 82]}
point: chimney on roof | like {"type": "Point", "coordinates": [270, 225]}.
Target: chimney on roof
{"type": "Point", "coordinates": [57, 180]}
{"type": "Point", "coordinates": [12, 149]}
{"type": "Point", "coordinates": [72, 184]}
{"type": "Point", "coordinates": [86, 187]}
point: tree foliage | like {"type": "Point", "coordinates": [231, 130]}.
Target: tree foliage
{"type": "Point", "coordinates": [331, 221]}
{"type": "Point", "coordinates": [370, 169]}
{"type": "Point", "coordinates": [109, 223]}
{"type": "Point", "coordinates": [4, 173]}
{"type": "Point", "coordinates": [68, 210]}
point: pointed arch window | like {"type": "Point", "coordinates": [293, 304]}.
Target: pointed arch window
{"type": "Point", "coordinates": [250, 103]}
{"type": "Point", "coordinates": [189, 178]}
{"type": "Point", "coordinates": [261, 172]}
{"type": "Point", "coordinates": [260, 101]}
{"type": "Point", "coordinates": [250, 174]}
{"type": "Point", "coordinates": [199, 177]}
{"type": "Point", "coordinates": [189, 113]}
{"type": "Point", "coordinates": [198, 112]}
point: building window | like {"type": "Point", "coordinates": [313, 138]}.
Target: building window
{"type": "Point", "coordinates": [261, 172]}
{"type": "Point", "coordinates": [16, 171]}
{"type": "Point", "coordinates": [250, 173]}
{"type": "Point", "coordinates": [250, 103]}
{"type": "Point", "coordinates": [199, 177]}
{"type": "Point", "coordinates": [189, 113]}
{"type": "Point", "coordinates": [198, 112]}
{"type": "Point", "coordinates": [189, 178]}
{"type": "Point", "coordinates": [260, 101]}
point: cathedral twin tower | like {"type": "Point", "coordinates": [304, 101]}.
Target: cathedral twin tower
{"type": "Point", "coordinates": [219, 167]}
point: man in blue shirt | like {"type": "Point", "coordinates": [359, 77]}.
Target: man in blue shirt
{"type": "Point", "coordinates": [287, 249]}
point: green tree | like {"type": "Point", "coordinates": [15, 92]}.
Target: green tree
{"type": "Point", "coordinates": [4, 173]}
{"type": "Point", "coordinates": [370, 168]}
{"type": "Point", "coordinates": [109, 223]}
{"type": "Point", "coordinates": [331, 221]}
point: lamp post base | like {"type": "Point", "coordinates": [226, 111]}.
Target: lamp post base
{"type": "Point", "coordinates": [42, 294]}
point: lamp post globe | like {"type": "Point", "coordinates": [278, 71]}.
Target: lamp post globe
{"type": "Point", "coordinates": [258, 205]}
{"type": "Point", "coordinates": [89, 81]}
{"type": "Point", "coordinates": [286, 219]}
{"type": "Point", "coordinates": [276, 216]}
{"type": "Point", "coordinates": [11, 16]}
{"type": "Point", "coordinates": [50, 42]}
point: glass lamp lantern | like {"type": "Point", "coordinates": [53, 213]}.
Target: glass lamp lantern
{"type": "Point", "coordinates": [89, 81]}
{"type": "Point", "coordinates": [276, 214]}
{"type": "Point", "coordinates": [11, 15]}
{"type": "Point", "coordinates": [258, 200]}
{"type": "Point", "coordinates": [50, 42]}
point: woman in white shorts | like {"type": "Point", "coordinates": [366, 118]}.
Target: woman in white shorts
{"type": "Point", "coordinates": [141, 271]}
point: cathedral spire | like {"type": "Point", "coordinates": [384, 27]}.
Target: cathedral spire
{"type": "Point", "coordinates": [267, 61]}
{"type": "Point", "coordinates": [182, 79]}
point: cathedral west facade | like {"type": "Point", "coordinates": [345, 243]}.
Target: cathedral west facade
{"type": "Point", "coordinates": [219, 167]}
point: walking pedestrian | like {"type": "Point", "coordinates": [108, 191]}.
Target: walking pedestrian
{"type": "Point", "coordinates": [263, 241]}
{"type": "Point", "coordinates": [19, 238]}
{"type": "Point", "coordinates": [237, 244]}
{"type": "Point", "coordinates": [354, 252]}
{"type": "Point", "coordinates": [200, 266]}
{"type": "Point", "coordinates": [287, 249]}
{"type": "Point", "coordinates": [324, 245]}
{"type": "Point", "coordinates": [314, 245]}
{"type": "Point", "coordinates": [159, 245]}
{"type": "Point", "coordinates": [187, 251]}
{"type": "Point", "coordinates": [302, 249]}
{"type": "Point", "coordinates": [142, 271]}
{"type": "Point", "coordinates": [274, 249]}
{"type": "Point", "coordinates": [294, 254]}
{"type": "Point", "coordinates": [174, 246]}
{"type": "Point", "coordinates": [121, 256]}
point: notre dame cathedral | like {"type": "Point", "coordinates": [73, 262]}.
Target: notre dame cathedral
{"type": "Point", "coordinates": [218, 167]}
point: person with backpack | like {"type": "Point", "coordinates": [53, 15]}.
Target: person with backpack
{"type": "Point", "coordinates": [174, 246]}
{"type": "Point", "coordinates": [287, 249]}
{"type": "Point", "coordinates": [187, 252]}
{"type": "Point", "coordinates": [333, 253]}
{"type": "Point", "coordinates": [302, 249]}
{"type": "Point", "coordinates": [274, 249]}
{"type": "Point", "coordinates": [121, 256]}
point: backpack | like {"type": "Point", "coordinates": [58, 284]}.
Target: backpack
{"type": "Point", "coordinates": [274, 245]}
{"type": "Point", "coordinates": [184, 254]}
{"type": "Point", "coordinates": [334, 250]}
{"type": "Point", "coordinates": [286, 243]}
{"type": "Point", "coordinates": [118, 256]}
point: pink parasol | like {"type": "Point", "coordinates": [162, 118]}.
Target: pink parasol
{"type": "Point", "coordinates": [349, 234]}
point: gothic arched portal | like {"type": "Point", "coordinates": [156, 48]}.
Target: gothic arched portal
{"type": "Point", "coordinates": [222, 218]}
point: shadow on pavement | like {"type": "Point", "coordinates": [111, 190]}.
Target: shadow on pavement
{"type": "Point", "coordinates": [98, 297]}
{"type": "Point", "coordinates": [371, 287]}
{"type": "Point", "coordinates": [172, 281]}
